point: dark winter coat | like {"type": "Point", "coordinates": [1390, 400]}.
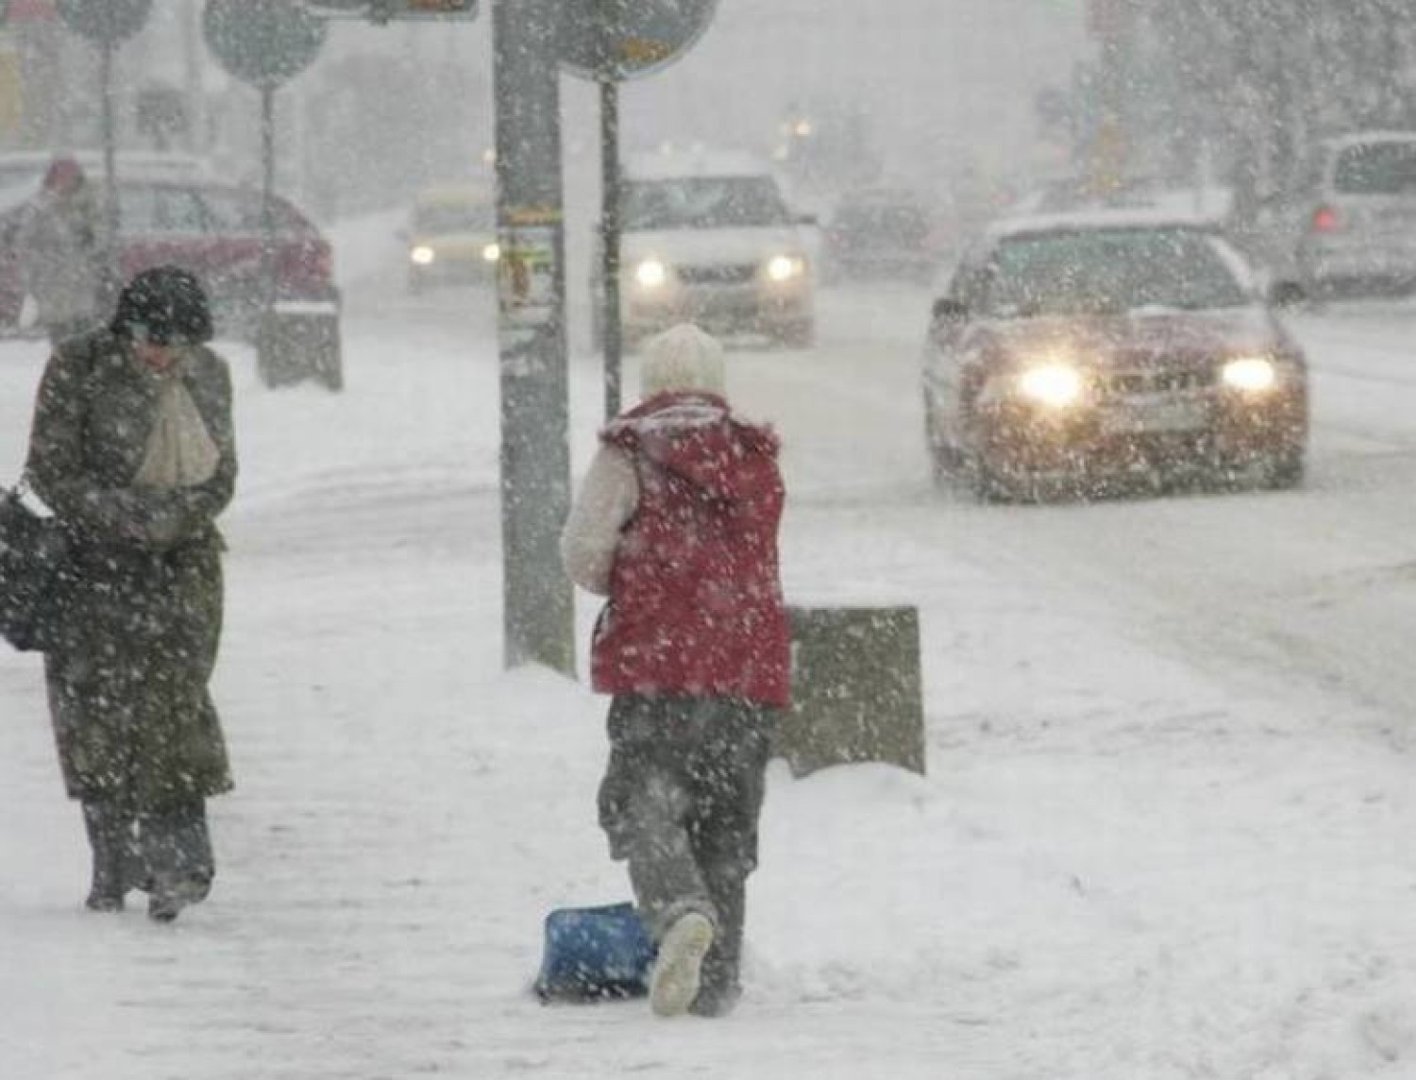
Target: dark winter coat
{"type": "Point", "coordinates": [131, 658]}
{"type": "Point", "coordinates": [695, 593]}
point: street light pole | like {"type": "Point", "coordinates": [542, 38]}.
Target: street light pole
{"type": "Point", "coordinates": [193, 92]}
{"type": "Point", "coordinates": [611, 228]}
{"type": "Point", "coordinates": [109, 136]}
{"type": "Point", "coordinates": [538, 604]}
{"type": "Point", "coordinates": [267, 199]}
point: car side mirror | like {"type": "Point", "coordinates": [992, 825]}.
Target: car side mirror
{"type": "Point", "coordinates": [807, 219]}
{"type": "Point", "coordinates": [947, 309]}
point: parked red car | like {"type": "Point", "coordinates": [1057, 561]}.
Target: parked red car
{"type": "Point", "coordinates": [211, 228]}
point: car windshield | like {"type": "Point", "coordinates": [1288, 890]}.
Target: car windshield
{"type": "Point", "coordinates": [715, 202]}
{"type": "Point", "coordinates": [894, 221]}
{"type": "Point", "coordinates": [442, 218]}
{"type": "Point", "coordinates": [1379, 168]}
{"type": "Point", "coordinates": [1098, 271]}
{"type": "Point", "coordinates": [177, 209]}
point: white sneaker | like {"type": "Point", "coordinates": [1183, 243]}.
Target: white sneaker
{"type": "Point", "coordinates": [674, 982]}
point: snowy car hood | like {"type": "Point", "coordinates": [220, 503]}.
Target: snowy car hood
{"type": "Point", "coordinates": [714, 246]}
{"type": "Point", "coordinates": [1122, 338]}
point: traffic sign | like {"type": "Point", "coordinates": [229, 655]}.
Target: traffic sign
{"type": "Point", "coordinates": [614, 40]}
{"type": "Point", "coordinates": [1111, 20]}
{"type": "Point", "coordinates": [382, 11]}
{"type": "Point", "coordinates": [104, 22]}
{"type": "Point", "coordinates": [262, 42]}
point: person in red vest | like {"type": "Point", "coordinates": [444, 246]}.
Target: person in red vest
{"type": "Point", "coordinates": [676, 523]}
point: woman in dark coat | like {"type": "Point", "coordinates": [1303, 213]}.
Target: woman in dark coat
{"type": "Point", "coordinates": [132, 447]}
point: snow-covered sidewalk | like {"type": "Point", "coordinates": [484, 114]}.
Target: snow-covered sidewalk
{"type": "Point", "coordinates": [1116, 869]}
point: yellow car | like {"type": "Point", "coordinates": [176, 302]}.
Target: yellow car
{"type": "Point", "coordinates": [452, 237]}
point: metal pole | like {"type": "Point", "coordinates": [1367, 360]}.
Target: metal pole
{"type": "Point", "coordinates": [110, 180]}
{"type": "Point", "coordinates": [192, 91]}
{"type": "Point", "coordinates": [538, 610]}
{"type": "Point", "coordinates": [267, 198]}
{"type": "Point", "coordinates": [610, 228]}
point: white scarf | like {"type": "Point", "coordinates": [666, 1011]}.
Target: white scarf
{"type": "Point", "coordinates": [180, 450]}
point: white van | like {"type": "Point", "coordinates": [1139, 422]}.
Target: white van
{"type": "Point", "coordinates": [1349, 228]}
{"type": "Point", "coordinates": [711, 239]}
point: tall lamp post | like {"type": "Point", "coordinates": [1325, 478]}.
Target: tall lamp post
{"type": "Point", "coordinates": [538, 607]}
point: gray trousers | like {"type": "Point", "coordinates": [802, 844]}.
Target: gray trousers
{"type": "Point", "coordinates": [680, 801]}
{"type": "Point", "coordinates": [149, 851]}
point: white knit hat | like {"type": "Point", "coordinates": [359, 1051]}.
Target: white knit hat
{"type": "Point", "coordinates": [683, 357]}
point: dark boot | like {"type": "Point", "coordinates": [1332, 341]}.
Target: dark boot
{"type": "Point", "coordinates": [178, 852]}
{"type": "Point", "coordinates": [169, 897]}
{"type": "Point", "coordinates": [720, 988]}
{"type": "Point", "coordinates": [110, 841]}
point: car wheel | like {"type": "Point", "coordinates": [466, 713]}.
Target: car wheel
{"type": "Point", "coordinates": [265, 368]}
{"type": "Point", "coordinates": [329, 368]}
{"type": "Point", "coordinates": [597, 329]}
{"type": "Point", "coordinates": [943, 456]}
{"type": "Point", "coordinates": [940, 475]}
{"type": "Point", "coordinates": [801, 335]}
{"type": "Point", "coordinates": [1284, 471]}
{"type": "Point", "coordinates": [1288, 294]}
{"type": "Point", "coordinates": [987, 483]}
{"type": "Point", "coordinates": [950, 471]}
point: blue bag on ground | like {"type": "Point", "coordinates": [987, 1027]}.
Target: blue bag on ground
{"type": "Point", "coordinates": [594, 953]}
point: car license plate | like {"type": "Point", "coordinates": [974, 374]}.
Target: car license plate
{"type": "Point", "coordinates": [1141, 416]}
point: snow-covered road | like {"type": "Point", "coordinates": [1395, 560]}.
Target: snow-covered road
{"type": "Point", "coordinates": [1166, 830]}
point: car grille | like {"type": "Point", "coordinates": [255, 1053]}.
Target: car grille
{"type": "Point", "coordinates": [722, 274]}
{"type": "Point", "coordinates": [1133, 383]}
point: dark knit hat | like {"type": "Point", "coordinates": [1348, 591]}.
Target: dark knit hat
{"type": "Point", "coordinates": [165, 305]}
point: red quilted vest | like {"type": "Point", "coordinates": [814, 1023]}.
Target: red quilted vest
{"type": "Point", "coordinates": [695, 592]}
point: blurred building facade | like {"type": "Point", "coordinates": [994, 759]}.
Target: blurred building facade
{"type": "Point", "coordinates": [926, 91]}
{"type": "Point", "coordinates": [914, 91]}
{"type": "Point", "coordinates": [1244, 87]}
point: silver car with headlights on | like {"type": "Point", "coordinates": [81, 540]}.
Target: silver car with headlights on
{"type": "Point", "coordinates": [1079, 355]}
{"type": "Point", "coordinates": [712, 241]}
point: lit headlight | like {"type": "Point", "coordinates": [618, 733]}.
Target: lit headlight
{"type": "Point", "coordinates": [491, 252]}
{"type": "Point", "coordinates": [423, 255]}
{"type": "Point", "coordinates": [1056, 385]}
{"type": "Point", "coordinates": [1252, 373]}
{"type": "Point", "coordinates": [651, 273]}
{"type": "Point", "coordinates": [785, 267]}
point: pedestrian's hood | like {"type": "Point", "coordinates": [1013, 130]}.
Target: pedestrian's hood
{"type": "Point", "coordinates": [695, 437]}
